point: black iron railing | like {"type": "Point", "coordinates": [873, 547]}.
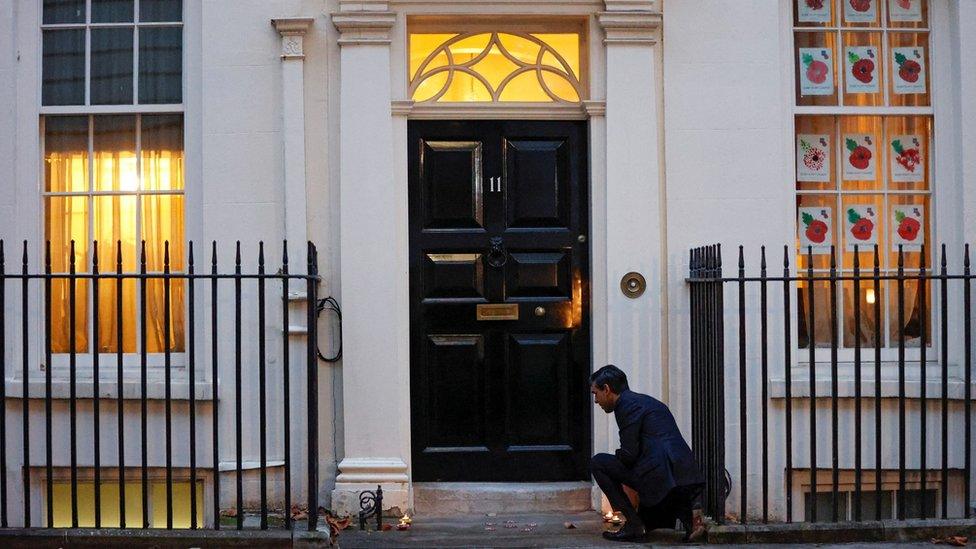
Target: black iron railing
{"type": "Point", "coordinates": [297, 295]}
{"type": "Point", "coordinates": [750, 312]}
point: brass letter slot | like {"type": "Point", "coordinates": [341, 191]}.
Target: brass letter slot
{"type": "Point", "coordinates": [497, 311]}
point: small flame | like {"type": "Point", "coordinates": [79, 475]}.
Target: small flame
{"type": "Point", "coordinates": [869, 296]}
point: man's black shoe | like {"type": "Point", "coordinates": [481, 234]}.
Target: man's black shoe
{"type": "Point", "coordinates": [625, 534]}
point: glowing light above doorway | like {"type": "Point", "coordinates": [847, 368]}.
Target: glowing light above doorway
{"type": "Point", "coordinates": [495, 67]}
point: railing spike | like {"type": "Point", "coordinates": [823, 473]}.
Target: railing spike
{"type": "Point", "coordinates": [237, 259]}
{"type": "Point", "coordinates": [742, 260]}
{"type": "Point", "coordinates": [25, 253]}
{"type": "Point", "coordinates": [901, 256]}
{"type": "Point", "coordinates": [213, 253]}
{"type": "Point", "coordinates": [284, 251]}
{"type": "Point", "coordinates": [261, 253]}
{"type": "Point", "coordinates": [189, 254]}
{"type": "Point", "coordinates": [762, 259]}
{"type": "Point", "coordinates": [857, 258]}
{"type": "Point", "coordinates": [965, 259]}
{"type": "Point", "coordinates": [833, 258]}
{"type": "Point", "coordinates": [118, 255]}
{"type": "Point", "coordinates": [166, 254]}
{"type": "Point", "coordinates": [877, 258]}
{"type": "Point", "coordinates": [786, 257]}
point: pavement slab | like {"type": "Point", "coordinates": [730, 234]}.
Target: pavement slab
{"type": "Point", "coordinates": [517, 530]}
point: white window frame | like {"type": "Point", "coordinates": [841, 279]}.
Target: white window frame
{"type": "Point", "coordinates": [889, 352]}
{"type": "Point", "coordinates": [60, 363]}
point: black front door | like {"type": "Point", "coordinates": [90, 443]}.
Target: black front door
{"type": "Point", "coordinates": [499, 301]}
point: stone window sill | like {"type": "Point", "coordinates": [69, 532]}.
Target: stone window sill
{"type": "Point", "coordinates": [800, 381]}
{"type": "Point", "coordinates": [131, 389]}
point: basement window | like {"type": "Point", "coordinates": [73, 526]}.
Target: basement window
{"type": "Point", "coordinates": [133, 504]}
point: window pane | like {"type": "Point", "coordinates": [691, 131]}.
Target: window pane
{"type": "Point", "coordinates": [861, 152]}
{"type": "Point", "coordinates": [112, 11]}
{"type": "Point", "coordinates": [816, 73]}
{"type": "Point", "coordinates": [162, 221]}
{"type": "Point", "coordinates": [909, 60]}
{"type": "Point", "coordinates": [868, 297]}
{"type": "Point", "coordinates": [156, 315]}
{"type": "Point", "coordinates": [825, 506]}
{"type": "Point", "coordinates": [863, 65]}
{"type": "Point", "coordinates": [115, 222]}
{"type": "Point", "coordinates": [66, 219]}
{"type": "Point", "coordinates": [161, 10]}
{"type": "Point", "coordinates": [822, 314]}
{"type": "Point", "coordinates": [64, 67]}
{"type": "Point", "coordinates": [862, 13]}
{"type": "Point", "coordinates": [908, 150]}
{"type": "Point", "coordinates": [162, 152]}
{"type": "Point", "coordinates": [863, 225]}
{"type": "Point", "coordinates": [64, 11]}
{"type": "Point", "coordinates": [813, 13]}
{"type": "Point", "coordinates": [66, 153]}
{"type": "Point", "coordinates": [161, 65]}
{"type": "Point", "coordinates": [115, 153]}
{"type": "Point", "coordinates": [817, 226]}
{"type": "Point", "coordinates": [111, 66]}
{"type": "Point", "coordinates": [908, 219]}
{"type": "Point", "coordinates": [908, 13]}
{"type": "Point", "coordinates": [815, 168]}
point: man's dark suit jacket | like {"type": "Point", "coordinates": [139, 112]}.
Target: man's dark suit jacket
{"type": "Point", "coordinates": [652, 447]}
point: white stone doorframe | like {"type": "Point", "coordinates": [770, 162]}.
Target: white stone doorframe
{"type": "Point", "coordinates": [626, 233]}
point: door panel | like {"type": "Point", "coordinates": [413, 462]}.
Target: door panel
{"type": "Point", "coordinates": [455, 391]}
{"type": "Point", "coordinates": [537, 365]}
{"type": "Point", "coordinates": [451, 184]}
{"type": "Point", "coordinates": [539, 275]}
{"type": "Point", "coordinates": [496, 211]}
{"type": "Point", "coordinates": [453, 276]}
{"type": "Point", "coordinates": [537, 186]}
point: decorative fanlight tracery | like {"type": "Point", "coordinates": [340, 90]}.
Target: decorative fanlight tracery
{"type": "Point", "coordinates": [496, 67]}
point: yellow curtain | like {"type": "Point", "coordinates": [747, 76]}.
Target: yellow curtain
{"type": "Point", "coordinates": [162, 223]}
{"type": "Point", "coordinates": [66, 219]}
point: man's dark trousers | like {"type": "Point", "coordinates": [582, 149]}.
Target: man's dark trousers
{"type": "Point", "coordinates": [611, 475]}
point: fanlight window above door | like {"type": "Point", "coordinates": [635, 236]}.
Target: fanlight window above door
{"type": "Point", "coordinates": [496, 67]}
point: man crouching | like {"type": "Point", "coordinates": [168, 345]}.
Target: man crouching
{"type": "Point", "coordinates": [653, 460]}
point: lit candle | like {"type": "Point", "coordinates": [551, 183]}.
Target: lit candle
{"type": "Point", "coordinates": [869, 296]}
{"type": "Point", "coordinates": [405, 522]}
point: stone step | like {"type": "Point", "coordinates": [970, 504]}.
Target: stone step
{"type": "Point", "coordinates": [444, 499]}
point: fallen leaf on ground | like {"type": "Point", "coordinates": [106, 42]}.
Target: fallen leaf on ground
{"type": "Point", "coordinates": [569, 525]}
{"type": "Point", "coordinates": [299, 512]}
{"type": "Point", "coordinates": [338, 523]}
{"type": "Point", "coordinates": [958, 541]}
{"type": "Point", "coordinates": [387, 527]}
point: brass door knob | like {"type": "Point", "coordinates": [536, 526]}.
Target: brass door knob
{"type": "Point", "coordinates": [633, 285]}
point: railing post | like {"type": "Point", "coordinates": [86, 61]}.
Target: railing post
{"type": "Point", "coordinates": [313, 383]}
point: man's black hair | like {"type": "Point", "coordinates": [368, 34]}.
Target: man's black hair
{"type": "Point", "coordinates": [612, 376]}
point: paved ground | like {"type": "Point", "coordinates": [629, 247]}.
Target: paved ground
{"type": "Point", "coordinates": [544, 530]}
